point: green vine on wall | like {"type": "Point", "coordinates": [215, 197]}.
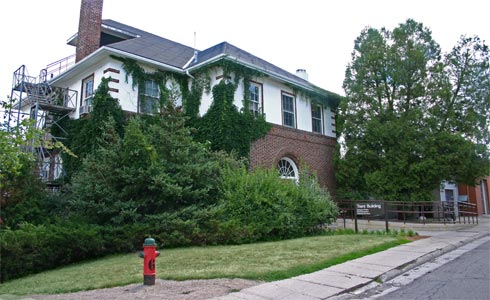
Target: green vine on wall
{"type": "Point", "coordinates": [223, 125]}
{"type": "Point", "coordinates": [232, 69]}
{"type": "Point", "coordinates": [324, 98]}
{"type": "Point", "coordinates": [239, 72]}
{"type": "Point", "coordinates": [168, 96]}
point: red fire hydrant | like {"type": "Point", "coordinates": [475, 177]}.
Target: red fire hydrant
{"type": "Point", "coordinates": [149, 255]}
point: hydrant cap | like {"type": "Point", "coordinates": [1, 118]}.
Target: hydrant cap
{"type": "Point", "coordinates": [149, 242]}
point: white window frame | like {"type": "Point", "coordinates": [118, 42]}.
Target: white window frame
{"type": "Point", "coordinates": [87, 91]}
{"type": "Point", "coordinates": [255, 98]}
{"type": "Point", "coordinates": [150, 97]}
{"type": "Point", "coordinates": [317, 119]}
{"type": "Point", "coordinates": [287, 169]}
{"type": "Point", "coordinates": [287, 111]}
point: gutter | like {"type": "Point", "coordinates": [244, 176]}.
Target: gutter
{"type": "Point", "coordinates": [207, 62]}
{"type": "Point", "coordinates": [272, 74]}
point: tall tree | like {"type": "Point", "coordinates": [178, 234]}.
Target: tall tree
{"type": "Point", "coordinates": [156, 167]}
{"type": "Point", "coordinates": [412, 117]}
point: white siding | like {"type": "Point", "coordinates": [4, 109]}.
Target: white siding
{"type": "Point", "coordinates": [272, 106]}
{"type": "Point", "coordinates": [329, 122]}
{"type": "Point", "coordinates": [303, 113]}
{"type": "Point", "coordinates": [127, 96]}
{"type": "Point", "coordinates": [207, 98]}
{"type": "Point", "coordinates": [271, 95]}
{"type": "Point", "coordinates": [272, 100]}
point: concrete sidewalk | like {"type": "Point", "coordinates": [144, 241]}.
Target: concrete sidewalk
{"type": "Point", "coordinates": [381, 266]}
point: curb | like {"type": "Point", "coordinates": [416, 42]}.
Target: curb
{"type": "Point", "coordinates": [408, 266]}
{"type": "Point", "coordinates": [427, 257]}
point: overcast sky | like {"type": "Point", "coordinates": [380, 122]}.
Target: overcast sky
{"type": "Point", "coordinates": [316, 35]}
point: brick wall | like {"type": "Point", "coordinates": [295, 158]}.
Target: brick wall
{"type": "Point", "coordinates": [316, 151]}
{"type": "Point", "coordinates": [89, 28]}
{"type": "Point", "coordinates": [475, 195]}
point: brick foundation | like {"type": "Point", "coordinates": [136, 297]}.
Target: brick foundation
{"type": "Point", "coordinates": [316, 151]}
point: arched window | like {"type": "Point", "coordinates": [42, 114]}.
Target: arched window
{"type": "Point", "coordinates": [287, 169]}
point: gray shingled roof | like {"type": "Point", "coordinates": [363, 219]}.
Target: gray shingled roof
{"type": "Point", "coordinates": [169, 52]}
{"type": "Point", "coordinates": [124, 27]}
{"type": "Point", "coordinates": [174, 54]}
{"type": "Point", "coordinates": [151, 46]}
{"type": "Point", "coordinates": [244, 56]}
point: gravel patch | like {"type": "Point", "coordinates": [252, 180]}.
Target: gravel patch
{"type": "Point", "coordinates": [162, 290]}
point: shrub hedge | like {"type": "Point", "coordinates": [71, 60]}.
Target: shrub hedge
{"type": "Point", "coordinates": [251, 206]}
{"type": "Point", "coordinates": [33, 248]}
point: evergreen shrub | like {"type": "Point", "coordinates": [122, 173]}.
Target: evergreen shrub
{"type": "Point", "coordinates": [33, 248]}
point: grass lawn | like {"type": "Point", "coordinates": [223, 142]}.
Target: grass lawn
{"type": "Point", "coordinates": [261, 261]}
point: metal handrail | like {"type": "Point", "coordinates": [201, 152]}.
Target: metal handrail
{"type": "Point", "coordinates": [419, 211]}
{"type": "Point", "coordinates": [55, 68]}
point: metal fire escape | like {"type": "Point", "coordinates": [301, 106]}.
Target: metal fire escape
{"type": "Point", "coordinates": [47, 105]}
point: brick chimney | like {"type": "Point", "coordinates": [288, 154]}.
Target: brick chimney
{"type": "Point", "coordinates": [89, 28]}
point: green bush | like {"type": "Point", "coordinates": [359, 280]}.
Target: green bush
{"type": "Point", "coordinates": [253, 206]}
{"type": "Point", "coordinates": [193, 225]}
{"type": "Point", "coordinates": [33, 248]}
{"type": "Point", "coordinates": [262, 206]}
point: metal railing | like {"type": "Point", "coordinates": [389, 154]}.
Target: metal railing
{"type": "Point", "coordinates": [403, 211]}
{"type": "Point", "coordinates": [56, 68]}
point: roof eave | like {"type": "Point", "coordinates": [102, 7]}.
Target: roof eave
{"type": "Point", "coordinates": [330, 97]}
{"type": "Point", "coordinates": [108, 50]}
{"type": "Point", "coordinates": [254, 67]}
{"type": "Point", "coordinates": [206, 62]}
{"type": "Point", "coordinates": [145, 60]}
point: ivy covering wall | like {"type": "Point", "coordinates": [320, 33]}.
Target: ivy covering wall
{"type": "Point", "coordinates": [223, 126]}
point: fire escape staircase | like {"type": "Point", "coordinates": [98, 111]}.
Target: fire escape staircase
{"type": "Point", "coordinates": [47, 105]}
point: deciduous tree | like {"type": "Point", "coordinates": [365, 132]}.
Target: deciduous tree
{"type": "Point", "coordinates": [412, 117]}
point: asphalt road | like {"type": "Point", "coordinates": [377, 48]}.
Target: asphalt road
{"type": "Point", "coordinates": [466, 277]}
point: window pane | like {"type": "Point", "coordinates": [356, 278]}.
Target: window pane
{"type": "Point", "coordinates": [151, 88]}
{"type": "Point", "coordinates": [288, 110]}
{"type": "Point", "coordinates": [288, 119]}
{"type": "Point", "coordinates": [87, 101]}
{"type": "Point", "coordinates": [287, 103]}
{"type": "Point", "coordinates": [254, 98]}
{"type": "Point", "coordinates": [316, 112]}
{"type": "Point", "coordinates": [254, 92]}
{"type": "Point", "coordinates": [150, 99]}
{"type": "Point", "coordinates": [287, 169]}
{"type": "Point", "coordinates": [316, 117]}
{"type": "Point", "coordinates": [317, 126]}
{"type": "Point", "coordinates": [148, 105]}
{"type": "Point", "coordinates": [88, 87]}
{"type": "Point", "coordinates": [254, 107]}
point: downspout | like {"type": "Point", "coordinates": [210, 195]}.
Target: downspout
{"type": "Point", "coordinates": [191, 60]}
{"type": "Point", "coordinates": [189, 74]}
